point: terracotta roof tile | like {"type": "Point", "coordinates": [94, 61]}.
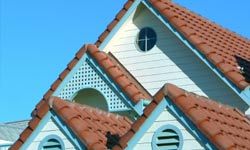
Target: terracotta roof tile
{"type": "Point", "coordinates": [219, 45]}
{"type": "Point", "coordinates": [224, 126]}
{"type": "Point", "coordinates": [87, 122]}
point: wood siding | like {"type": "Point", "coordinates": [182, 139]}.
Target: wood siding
{"type": "Point", "coordinates": [50, 129]}
{"type": "Point", "coordinates": [165, 118]}
{"type": "Point", "coordinates": [170, 61]}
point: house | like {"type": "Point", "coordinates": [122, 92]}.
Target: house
{"type": "Point", "coordinates": [159, 77]}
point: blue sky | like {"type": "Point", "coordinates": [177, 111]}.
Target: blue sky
{"type": "Point", "coordinates": [39, 38]}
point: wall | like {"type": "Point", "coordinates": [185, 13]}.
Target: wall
{"type": "Point", "coordinates": [170, 61]}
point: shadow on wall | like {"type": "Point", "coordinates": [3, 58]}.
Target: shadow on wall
{"type": "Point", "coordinates": [244, 67]}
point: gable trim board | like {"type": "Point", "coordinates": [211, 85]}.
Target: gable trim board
{"type": "Point", "coordinates": [228, 73]}
{"type": "Point", "coordinates": [221, 126]}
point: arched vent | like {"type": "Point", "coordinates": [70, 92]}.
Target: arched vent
{"type": "Point", "coordinates": [52, 144]}
{"type": "Point", "coordinates": [167, 138]}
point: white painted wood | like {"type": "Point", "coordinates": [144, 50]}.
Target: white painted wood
{"type": "Point", "coordinates": [165, 118]}
{"type": "Point", "coordinates": [170, 61]}
{"type": "Point", "coordinates": [50, 129]}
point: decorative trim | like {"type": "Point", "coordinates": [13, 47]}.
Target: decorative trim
{"type": "Point", "coordinates": [165, 127]}
{"type": "Point", "coordinates": [52, 136]}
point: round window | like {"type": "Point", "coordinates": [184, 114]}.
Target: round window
{"type": "Point", "coordinates": [146, 39]}
{"type": "Point", "coordinates": [167, 137]}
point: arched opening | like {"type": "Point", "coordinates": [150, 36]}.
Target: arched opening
{"type": "Point", "coordinates": [91, 97]}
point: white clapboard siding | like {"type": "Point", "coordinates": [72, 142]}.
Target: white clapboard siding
{"type": "Point", "coordinates": [50, 129]}
{"type": "Point", "coordinates": [170, 61]}
{"type": "Point", "coordinates": [165, 118]}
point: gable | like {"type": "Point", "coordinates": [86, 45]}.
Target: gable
{"type": "Point", "coordinates": [169, 61]}
{"type": "Point", "coordinates": [166, 119]}
{"type": "Point", "coordinates": [48, 128]}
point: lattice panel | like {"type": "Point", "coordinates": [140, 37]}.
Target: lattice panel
{"type": "Point", "coordinates": [86, 76]}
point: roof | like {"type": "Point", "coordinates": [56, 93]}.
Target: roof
{"type": "Point", "coordinates": [224, 126]}
{"type": "Point", "coordinates": [10, 131]}
{"type": "Point", "coordinates": [94, 127]}
{"type": "Point", "coordinates": [220, 46]}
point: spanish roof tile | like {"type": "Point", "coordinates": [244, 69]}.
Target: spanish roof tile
{"type": "Point", "coordinates": [218, 45]}
{"type": "Point", "coordinates": [91, 125]}
{"type": "Point", "coordinates": [123, 79]}
{"type": "Point", "coordinates": [225, 127]}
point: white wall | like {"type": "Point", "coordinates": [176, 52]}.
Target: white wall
{"type": "Point", "coordinates": [50, 129]}
{"type": "Point", "coordinates": [170, 61]}
{"type": "Point", "coordinates": [165, 118]}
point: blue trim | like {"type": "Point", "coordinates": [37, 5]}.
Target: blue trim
{"type": "Point", "coordinates": [112, 85]}
{"type": "Point", "coordinates": [147, 124]}
{"type": "Point", "coordinates": [5, 145]}
{"type": "Point", "coordinates": [69, 75]}
{"type": "Point", "coordinates": [245, 94]}
{"type": "Point", "coordinates": [68, 132]}
{"type": "Point", "coordinates": [49, 137]}
{"type": "Point", "coordinates": [195, 51]}
{"type": "Point", "coordinates": [119, 24]}
{"type": "Point", "coordinates": [34, 134]}
{"type": "Point", "coordinates": [165, 127]}
{"type": "Point", "coordinates": [190, 126]}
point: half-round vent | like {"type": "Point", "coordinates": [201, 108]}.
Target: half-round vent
{"type": "Point", "coordinates": [167, 138]}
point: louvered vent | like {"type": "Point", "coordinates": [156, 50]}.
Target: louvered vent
{"type": "Point", "coordinates": [52, 144]}
{"type": "Point", "coordinates": [168, 139]}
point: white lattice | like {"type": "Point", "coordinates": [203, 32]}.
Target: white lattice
{"type": "Point", "coordinates": [86, 76]}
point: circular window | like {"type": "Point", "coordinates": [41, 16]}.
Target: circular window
{"type": "Point", "coordinates": [146, 39]}
{"type": "Point", "coordinates": [167, 137]}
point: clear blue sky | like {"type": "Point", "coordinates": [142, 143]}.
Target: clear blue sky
{"type": "Point", "coordinates": [39, 38]}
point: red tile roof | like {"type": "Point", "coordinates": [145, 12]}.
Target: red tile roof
{"type": "Point", "coordinates": [91, 125]}
{"type": "Point", "coordinates": [225, 127]}
{"type": "Point", "coordinates": [220, 46]}
{"type": "Point", "coordinates": [130, 87]}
